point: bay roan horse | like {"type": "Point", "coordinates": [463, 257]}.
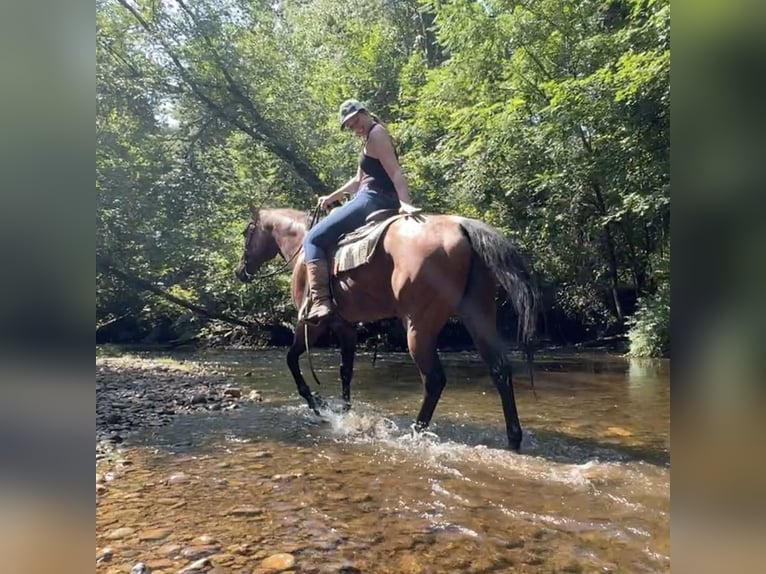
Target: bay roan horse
{"type": "Point", "coordinates": [424, 270]}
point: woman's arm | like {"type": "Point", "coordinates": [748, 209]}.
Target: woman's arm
{"type": "Point", "coordinates": [348, 188]}
{"type": "Point", "coordinates": [379, 145]}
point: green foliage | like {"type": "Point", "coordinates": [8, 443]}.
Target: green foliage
{"type": "Point", "coordinates": [649, 327]}
{"type": "Point", "coordinates": [548, 120]}
{"type": "Point", "coordinates": [649, 332]}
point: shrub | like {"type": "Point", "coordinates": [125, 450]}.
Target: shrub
{"type": "Point", "coordinates": [649, 333]}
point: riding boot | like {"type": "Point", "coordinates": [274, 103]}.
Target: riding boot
{"type": "Point", "coordinates": [319, 290]}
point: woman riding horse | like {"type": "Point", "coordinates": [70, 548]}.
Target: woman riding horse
{"type": "Point", "coordinates": [378, 184]}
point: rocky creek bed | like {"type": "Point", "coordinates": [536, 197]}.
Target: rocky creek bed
{"type": "Point", "coordinates": [134, 393]}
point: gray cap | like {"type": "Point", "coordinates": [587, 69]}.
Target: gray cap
{"type": "Point", "coordinates": [348, 110]}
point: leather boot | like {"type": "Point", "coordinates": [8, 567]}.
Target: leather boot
{"type": "Point", "coordinates": [319, 290]}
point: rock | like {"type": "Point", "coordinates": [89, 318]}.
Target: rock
{"type": "Point", "coordinates": [255, 396]}
{"type": "Point", "coordinates": [219, 570]}
{"type": "Point", "coordinates": [205, 539]}
{"type": "Point", "coordinates": [198, 566]}
{"type": "Point", "coordinates": [241, 549]}
{"type": "Point", "coordinates": [198, 399]}
{"type": "Point", "coordinates": [261, 454]}
{"type": "Point", "coordinates": [140, 568]}
{"type": "Point", "coordinates": [232, 392]}
{"type": "Point", "coordinates": [244, 511]}
{"type": "Point", "coordinates": [104, 555]}
{"type": "Point", "coordinates": [278, 562]}
{"type": "Point", "coordinates": [248, 374]}
{"type": "Point", "coordinates": [178, 478]}
{"type": "Point", "coordinates": [223, 559]}
{"type": "Point", "coordinates": [169, 549]}
{"type": "Point", "coordinates": [154, 534]}
{"type": "Point", "coordinates": [339, 568]}
{"type": "Point", "coordinates": [160, 564]}
{"type": "Point", "coordinates": [119, 533]}
{"type": "Point", "coordinates": [194, 552]}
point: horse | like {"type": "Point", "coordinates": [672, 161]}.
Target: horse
{"type": "Point", "coordinates": [424, 270]}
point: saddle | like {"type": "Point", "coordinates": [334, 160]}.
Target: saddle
{"type": "Point", "coordinates": [358, 246]}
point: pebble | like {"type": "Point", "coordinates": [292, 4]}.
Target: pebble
{"type": "Point", "coordinates": [178, 478]}
{"type": "Point", "coordinates": [198, 566]}
{"type": "Point", "coordinates": [154, 534]}
{"type": "Point", "coordinates": [104, 555]}
{"type": "Point", "coordinates": [278, 562]}
{"type": "Point", "coordinates": [139, 568]}
{"type": "Point", "coordinates": [261, 454]}
{"type": "Point", "coordinates": [194, 552]}
{"type": "Point", "coordinates": [244, 511]}
{"type": "Point", "coordinates": [118, 533]}
{"type": "Point", "coordinates": [160, 564]}
{"type": "Point", "coordinates": [169, 549]}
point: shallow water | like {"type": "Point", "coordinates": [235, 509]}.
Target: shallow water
{"type": "Point", "coordinates": [588, 493]}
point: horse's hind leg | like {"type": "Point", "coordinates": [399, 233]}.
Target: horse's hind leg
{"type": "Point", "coordinates": [293, 355]}
{"type": "Point", "coordinates": [422, 346]}
{"type": "Point", "coordinates": [347, 336]}
{"type": "Point", "coordinates": [477, 311]}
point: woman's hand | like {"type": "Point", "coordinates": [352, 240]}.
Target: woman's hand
{"type": "Point", "coordinates": [326, 201]}
{"type": "Point", "coordinates": [407, 209]}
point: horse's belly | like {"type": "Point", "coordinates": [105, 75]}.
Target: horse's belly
{"type": "Point", "coordinates": [364, 294]}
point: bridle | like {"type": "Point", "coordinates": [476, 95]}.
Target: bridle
{"type": "Point", "coordinates": [251, 227]}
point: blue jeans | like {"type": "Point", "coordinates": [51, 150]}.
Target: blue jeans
{"type": "Point", "coordinates": [324, 235]}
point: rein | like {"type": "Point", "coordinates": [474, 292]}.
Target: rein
{"type": "Point", "coordinates": [283, 267]}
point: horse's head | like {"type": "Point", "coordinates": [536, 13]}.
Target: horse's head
{"type": "Point", "coordinates": [259, 247]}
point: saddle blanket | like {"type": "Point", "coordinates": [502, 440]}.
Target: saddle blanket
{"type": "Point", "coordinates": [357, 247]}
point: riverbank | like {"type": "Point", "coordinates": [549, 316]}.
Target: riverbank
{"type": "Point", "coordinates": [136, 392]}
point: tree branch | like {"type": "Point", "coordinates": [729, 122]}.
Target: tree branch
{"type": "Point", "coordinates": [106, 265]}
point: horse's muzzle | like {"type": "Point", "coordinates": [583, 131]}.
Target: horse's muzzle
{"type": "Point", "coordinates": [242, 274]}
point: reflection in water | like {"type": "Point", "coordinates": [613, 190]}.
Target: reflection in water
{"type": "Point", "coordinates": [589, 493]}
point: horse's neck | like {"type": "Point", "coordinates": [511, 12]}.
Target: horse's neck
{"type": "Point", "coordinates": [288, 233]}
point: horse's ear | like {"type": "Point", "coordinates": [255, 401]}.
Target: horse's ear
{"type": "Point", "coordinates": [254, 211]}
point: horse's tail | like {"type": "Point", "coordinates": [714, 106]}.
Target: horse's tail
{"type": "Point", "coordinates": [511, 271]}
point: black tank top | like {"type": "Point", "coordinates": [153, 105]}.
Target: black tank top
{"type": "Point", "coordinates": [374, 175]}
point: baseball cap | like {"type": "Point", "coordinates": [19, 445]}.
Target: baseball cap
{"type": "Point", "coordinates": [348, 110]}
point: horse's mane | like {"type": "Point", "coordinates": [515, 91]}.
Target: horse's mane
{"type": "Point", "coordinates": [293, 217]}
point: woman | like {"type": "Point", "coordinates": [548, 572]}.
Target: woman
{"type": "Point", "coordinates": [378, 184]}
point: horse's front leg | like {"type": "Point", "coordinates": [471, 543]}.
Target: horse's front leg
{"type": "Point", "coordinates": [293, 355]}
{"type": "Point", "coordinates": [347, 335]}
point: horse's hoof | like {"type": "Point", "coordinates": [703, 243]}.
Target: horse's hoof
{"type": "Point", "coordinates": [346, 407]}
{"type": "Point", "coordinates": [319, 402]}
{"type": "Point", "coordinates": [514, 443]}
